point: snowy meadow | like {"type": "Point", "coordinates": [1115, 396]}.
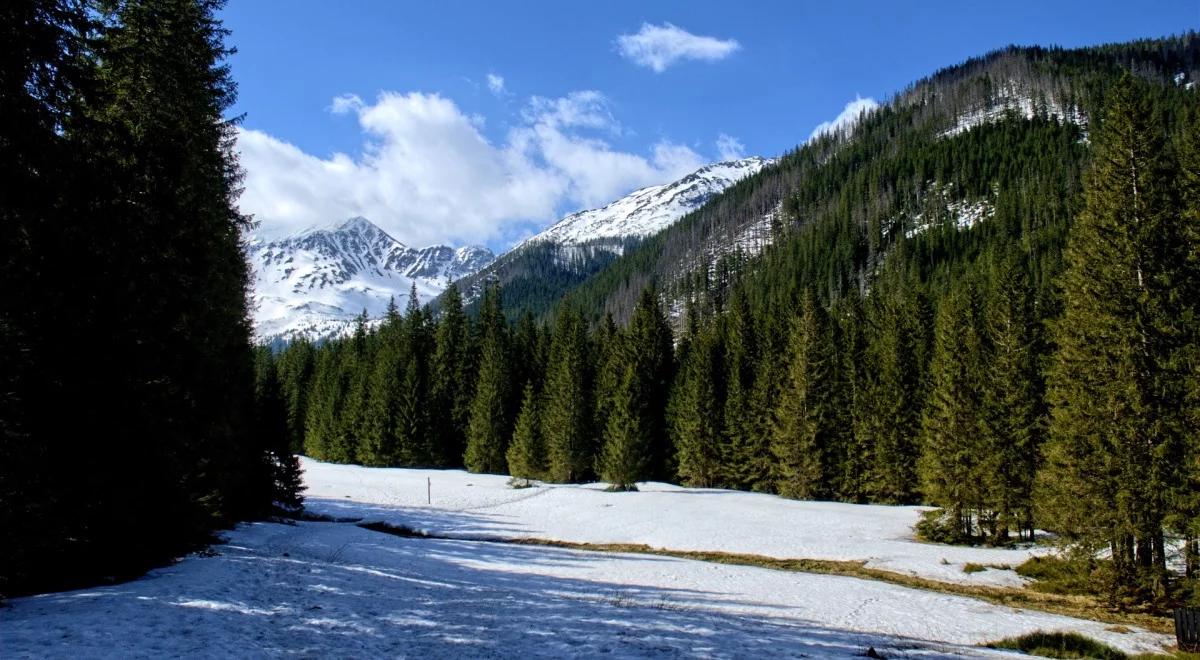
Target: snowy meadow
{"type": "Point", "coordinates": [335, 588]}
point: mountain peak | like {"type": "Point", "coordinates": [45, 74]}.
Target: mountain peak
{"type": "Point", "coordinates": [649, 210]}
{"type": "Point", "coordinates": [315, 282]}
{"type": "Point", "coordinates": [357, 223]}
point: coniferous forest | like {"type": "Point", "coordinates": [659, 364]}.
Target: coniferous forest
{"type": "Point", "coordinates": [1035, 371]}
{"type": "Point", "coordinates": [135, 415]}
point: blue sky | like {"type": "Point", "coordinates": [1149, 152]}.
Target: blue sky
{"type": "Point", "coordinates": [578, 121]}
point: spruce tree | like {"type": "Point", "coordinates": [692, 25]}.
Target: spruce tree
{"type": "Point", "coordinates": [893, 397]}
{"type": "Point", "coordinates": [452, 380]}
{"type": "Point", "coordinates": [743, 442]}
{"type": "Point", "coordinates": [651, 350]}
{"type": "Point", "coordinates": [325, 400]}
{"type": "Point", "coordinates": [412, 424]}
{"type": "Point", "coordinates": [857, 452]}
{"type": "Point", "coordinates": [566, 414]}
{"type": "Point", "coordinates": [526, 453]}
{"type": "Point", "coordinates": [952, 454]}
{"type": "Point", "coordinates": [1118, 419]}
{"type": "Point", "coordinates": [295, 381]}
{"type": "Point", "coordinates": [802, 431]}
{"type": "Point", "coordinates": [41, 450]}
{"type": "Point", "coordinates": [1186, 519]}
{"type": "Point", "coordinates": [627, 453]}
{"type": "Point", "coordinates": [1011, 411]}
{"type": "Point", "coordinates": [412, 421]}
{"type": "Point", "coordinates": [695, 413]}
{"type": "Point", "coordinates": [379, 444]}
{"type": "Point", "coordinates": [488, 429]}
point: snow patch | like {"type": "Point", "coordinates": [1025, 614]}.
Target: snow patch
{"type": "Point", "coordinates": [1010, 98]}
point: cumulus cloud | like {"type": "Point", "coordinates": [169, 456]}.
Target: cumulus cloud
{"type": "Point", "coordinates": [849, 116]}
{"type": "Point", "coordinates": [657, 47]}
{"type": "Point", "coordinates": [730, 148]}
{"type": "Point", "coordinates": [495, 83]}
{"type": "Point", "coordinates": [427, 174]}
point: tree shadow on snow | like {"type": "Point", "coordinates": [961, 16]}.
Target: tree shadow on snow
{"type": "Point", "coordinates": [336, 589]}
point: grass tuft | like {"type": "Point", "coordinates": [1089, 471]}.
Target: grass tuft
{"type": "Point", "coordinates": [1059, 645]}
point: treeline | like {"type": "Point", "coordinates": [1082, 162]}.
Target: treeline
{"type": "Point", "coordinates": [556, 402]}
{"type": "Point", "coordinates": [133, 418]}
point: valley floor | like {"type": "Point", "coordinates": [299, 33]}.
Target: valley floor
{"type": "Point", "coordinates": [324, 588]}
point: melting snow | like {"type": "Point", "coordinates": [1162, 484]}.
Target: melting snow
{"type": "Point", "coordinates": [335, 589]}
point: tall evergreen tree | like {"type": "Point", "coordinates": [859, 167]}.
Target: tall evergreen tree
{"type": "Point", "coordinates": [802, 432]}
{"type": "Point", "coordinates": [452, 380]}
{"type": "Point", "coordinates": [743, 442]}
{"type": "Point", "coordinates": [488, 429]}
{"type": "Point", "coordinates": [893, 397]}
{"type": "Point", "coordinates": [325, 401]}
{"type": "Point", "coordinates": [526, 453]}
{"type": "Point", "coordinates": [695, 413]}
{"type": "Point", "coordinates": [41, 67]}
{"type": "Point", "coordinates": [1118, 423]}
{"type": "Point", "coordinates": [651, 351]}
{"type": "Point", "coordinates": [1011, 414]}
{"type": "Point", "coordinates": [295, 381]}
{"type": "Point", "coordinates": [627, 452]}
{"type": "Point", "coordinates": [413, 434]}
{"type": "Point", "coordinates": [952, 455]}
{"type": "Point", "coordinates": [158, 135]}
{"type": "Point", "coordinates": [566, 412]}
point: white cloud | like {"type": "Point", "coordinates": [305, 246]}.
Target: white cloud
{"type": "Point", "coordinates": [849, 116]}
{"type": "Point", "coordinates": [730, 148]}
{"type": "Point", "coordinates": [659, 46]}
{"type": "Point", "coordinates": [346, 103]}
{"type": "Point", "coordinates": [495, 83]}
{"type": "Point", "coordinates": [427, 174]}
{"type": "Point", "coordinates": [585, 109]}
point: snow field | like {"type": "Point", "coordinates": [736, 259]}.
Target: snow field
{"type": "Point", "coordinates": [318, 589]}
{"type": "Point", "coordinates": [322, 589]}
{"type": "Point", "coordinates": [659, 515]}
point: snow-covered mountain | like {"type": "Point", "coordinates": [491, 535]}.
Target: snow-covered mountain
{"type": "Point", "coordinates": [315, 282]}
{"type": "Point", "coordinates": [649, 210]}
{"type": "Point", "coordinates": [547, 265]}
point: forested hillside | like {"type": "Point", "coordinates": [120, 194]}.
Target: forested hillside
{"type": "Point", "coordinates": [866, 177]}
{"type": "Point", "coordinates": [983, 296]}
{"type": "Point", "coordinates": [133, 419]}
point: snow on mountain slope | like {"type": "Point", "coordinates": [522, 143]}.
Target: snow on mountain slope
{"type": "Point", "coordinates": [1011, 98]}
{"type": "Point", "coordinates": [649, 210]}
{"type": "Point", "coordinates": [315, 282]}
